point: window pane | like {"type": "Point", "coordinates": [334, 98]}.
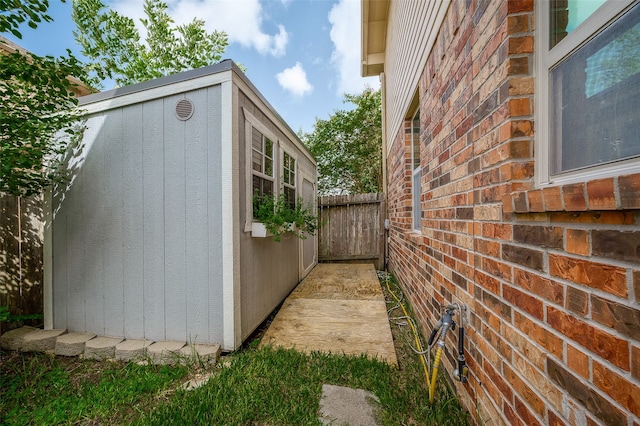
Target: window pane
{"type": "Point", "coordinates": [415, 140]}
{"type": "Point", "coordinates": [416, 189]}
{"type": "Point", "coordinates": [290, 197]}
{"type": "Point", "coordinates": [566, 15]}
{"type": "Point", "coordinates": [416, 199]}
{"type": "Point", "coordinates": [268, 166]}
{"type": "Point", "coordinates": [256, 160]}
{"type": "Point", "coordinates": [596, 98]}
{"type": "Point", "coordinates": [268, 147]}
{"type": "Point", "coordinates": [256, 140]}
{"type": "Point", "coordinates": [288, 169]}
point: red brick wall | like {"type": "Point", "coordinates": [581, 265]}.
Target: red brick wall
{"type": "Point", "coordinates": [551, 277]}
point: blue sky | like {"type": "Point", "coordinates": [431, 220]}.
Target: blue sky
{"type": "Point", "coordinates": [301, 54]}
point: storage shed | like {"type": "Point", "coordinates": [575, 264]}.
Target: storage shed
{"type": "Point", "coordinates": [151, 238]}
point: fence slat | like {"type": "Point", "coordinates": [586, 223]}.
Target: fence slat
{"type": "Point", "coordinates": [353, 228]}
{"type": "Point", "coordinates": [21, 235]}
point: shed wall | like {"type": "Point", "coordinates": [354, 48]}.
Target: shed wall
{"type": "Point", "coordinates": [137, 233]}
{"type": "Point", "coordinates": [269, 270]}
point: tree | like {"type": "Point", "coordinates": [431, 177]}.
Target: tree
{"type": "Point", "coordinates": [112, 43]}
{"type": "Point", "coordinates": [348, 146]}
{"type": "Point", "coordinates": [14, 13]}
{"type": "Point", "coordinates": [38, 114]}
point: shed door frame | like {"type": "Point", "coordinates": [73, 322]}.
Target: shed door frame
{"type": "Point", "coordinates": [304, 271]}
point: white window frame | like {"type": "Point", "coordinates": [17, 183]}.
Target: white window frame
{"type": "Point", "coordinates": [545, 60]}
{"type": "Point", "coordinates": [252, 122]}
{"type": "Point", "coordinates": [264, 156]}
{"type": "Point", "coordinates": [293, 186]}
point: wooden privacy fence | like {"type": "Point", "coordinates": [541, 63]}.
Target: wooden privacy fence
{"type": "Point", "coordinates": [21, 235]}
{"type": "Point", "coordinates": [352, 228]}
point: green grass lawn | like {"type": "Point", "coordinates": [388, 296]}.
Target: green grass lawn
{"type": "Point", "coordinates": [252, 386]}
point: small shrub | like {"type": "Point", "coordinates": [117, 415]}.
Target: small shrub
{"type": "Point", "coordinates": [280, 217]}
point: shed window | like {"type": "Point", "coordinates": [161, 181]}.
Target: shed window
{"type": "Point", "coordinates": [590, 69]}
{"type": "Point", "coordinates": [289, 179]}
{"type": "Point", "coordinates": [262, 165]}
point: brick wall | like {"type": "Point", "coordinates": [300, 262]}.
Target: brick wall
{"type": "Point", "coordinates": [551, 276]}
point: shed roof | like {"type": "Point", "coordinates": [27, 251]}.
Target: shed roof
{"type": "Point", "coordinates": [180, 77]}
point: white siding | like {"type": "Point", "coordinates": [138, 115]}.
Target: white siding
{"type": "Point", "coordinates": [136, 235]}
{"type": "Point", "coordinates": [133, 222]}
{"type": "Point", "coordinates": [153, 219]}
{"type": "Point", "coordinates": [412, 29]}
{"type": "Point", "coordinates": [113, 237]}
{"type": "Point", "coordinates": [214, 213]}
{"type": "Point", "coordinates": [196, 225]}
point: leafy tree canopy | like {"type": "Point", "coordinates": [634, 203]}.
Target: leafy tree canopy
{"type": "Point", "coordinates": [115, 51]}
{"type": "Point", "coordinates": [14, 13]}
{"type": "Point", "coordinates": [348, 146]}
{"type": "Point", "coordinates": [38, 115]}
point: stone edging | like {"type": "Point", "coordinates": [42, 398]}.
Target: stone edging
{"type": "Point", "coordinates": [59, 342]}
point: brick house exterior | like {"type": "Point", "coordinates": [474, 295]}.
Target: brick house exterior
{"type": "Point", "coordinates": [549, 270]}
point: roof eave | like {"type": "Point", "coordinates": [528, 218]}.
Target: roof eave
{"type": "Point", "coordinates": [373, 36]}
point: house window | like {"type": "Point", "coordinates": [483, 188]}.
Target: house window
{"type": "Point", "coordinates": [289, 179]}
{"type": "Point", "coordinates": [415, 169]}
{"type": "Point", "coordinates": [262, 165]}
{"type": "Point", "coordinates": [590, 69]}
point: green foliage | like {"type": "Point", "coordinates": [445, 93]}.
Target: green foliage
{"type": "Point", "coordinates": [279, 217]}
{"type": "Point", "coordinates": [13, 13]}
{"type": "Point", "coordinates": [113, 46]}
{"type": "Point", "coordinates": [4, 314]}
{"type": "Point", "coordinates": [38, 114]}
{"type": "Point", "coordinates": [348, 146]}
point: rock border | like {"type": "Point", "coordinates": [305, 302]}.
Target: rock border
{"type": "Point", "coordinates": [59, 342]}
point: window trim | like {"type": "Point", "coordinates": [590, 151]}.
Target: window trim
{"type": "Point", "coordinates": [284, 185]}
{"type": "Point", "coordinates": [250, 123]}
{"type": "Point", "coordinates": [545, 59]}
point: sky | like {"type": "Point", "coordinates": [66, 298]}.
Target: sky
{"type": "Point", "coordinates": [302, 55]}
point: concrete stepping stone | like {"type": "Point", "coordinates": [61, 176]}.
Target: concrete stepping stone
{"type": "Point", "coordinates": [166, 352]}
{"type": "Point", "coordinates": [101, 348]}
{"type": "Point", "coordinates": [346, 406]}
{"type": "Point", "coordinates": [11, 340]}
{"type": "Point", "coordinates": [72, 344]}
{"type": "Point", "coordinates": [41, 340]}
{"type": "Point", "coordinates": [201, 353]}
{"type": "Point", "coordinates": [132, 349]}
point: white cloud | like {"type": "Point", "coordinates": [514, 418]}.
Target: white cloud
{"type": "Point", "coordinates": [294, 80]}
{"type": "Point", "coordinates": [242, 21]}
{"type": "Point", "coordinates": [345, 35]}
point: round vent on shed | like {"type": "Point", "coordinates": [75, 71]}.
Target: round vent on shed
{"type": "Point", "coordinates": [184, 109]}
